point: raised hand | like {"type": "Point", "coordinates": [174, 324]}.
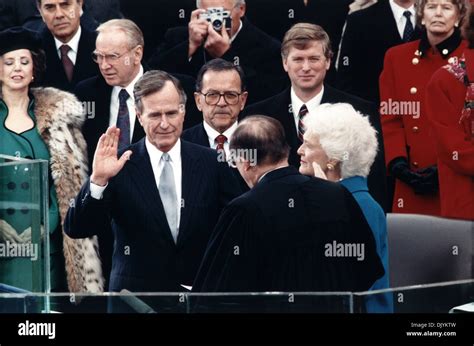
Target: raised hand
{"type": "Point", "coordinates": [8, 233]}
{"type": "Point", "coordinates": [106, 164]}
{"type": "Point", "coordinates": [217, 44]}
{"type": "Point", "coordinates": [197, 29]}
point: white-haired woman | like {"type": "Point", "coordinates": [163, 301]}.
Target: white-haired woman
{"type": "Point", "coordinates": [340, 145]}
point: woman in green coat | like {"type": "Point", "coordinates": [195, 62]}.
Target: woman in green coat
{"type": "Point", "coordinates": [42, 123]}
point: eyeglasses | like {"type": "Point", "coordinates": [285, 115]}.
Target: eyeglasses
{"type": "Point", "coordinates": [213, 97]}
{"type": "Point", "coordinates": [112, 58]}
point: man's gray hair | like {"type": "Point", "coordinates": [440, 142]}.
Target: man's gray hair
{"type": "Point", "coordinates": [236, 3]}
{"type": "Point", "coordinates": [345, 135]}
{"type": "Point", "coordinates": [131, 30]}
{"type": "Point", "coordinates": [154, 81]}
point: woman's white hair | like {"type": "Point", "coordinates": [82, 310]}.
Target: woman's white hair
{"type": "Point", "coordinates": [345, 135]}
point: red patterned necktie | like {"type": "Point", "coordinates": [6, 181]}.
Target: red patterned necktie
{"type": "Point", "coordinates": [302, 113]}
{"type": "Point", "coordinates": [220, 140]}
{"type": "Point", "coordinates": [67, 63]}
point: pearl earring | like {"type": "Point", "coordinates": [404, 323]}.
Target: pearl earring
{"type": "Point", "coordinates": [330, 166]}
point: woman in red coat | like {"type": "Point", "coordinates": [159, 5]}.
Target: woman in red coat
{"type": "Point", "coordinates": [409, 146]}
{"type": "Point", "coordinates": [450, 99]}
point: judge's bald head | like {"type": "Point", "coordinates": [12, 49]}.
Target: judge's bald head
{"type": "Point", "coordinates": [265, 136]}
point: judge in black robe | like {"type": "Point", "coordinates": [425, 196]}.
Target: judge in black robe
{"type": "Point", "coordinates": [286, 233]}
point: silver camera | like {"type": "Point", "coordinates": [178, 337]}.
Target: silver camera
{"type": "Point", "coordinates": [218, 17]}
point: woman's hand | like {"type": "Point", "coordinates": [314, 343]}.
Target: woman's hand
{"type": "Point", "coordinates": [8, 233]}
{"type": "Point", "coordinates": [26, 235]}
{"type": "Point", "coordinates": [318, 171]}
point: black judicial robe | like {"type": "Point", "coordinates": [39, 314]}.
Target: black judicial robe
{"type": "Point", "coordinates": [275, 238]}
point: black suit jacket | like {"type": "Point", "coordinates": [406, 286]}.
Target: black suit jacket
{"type": "Point", "coordinates": [84, 67]}
{"type": "Point", "coordinates": [368, 35]}
{"type": "Point", "coordinates": [255, 51]}
{"type": "Point", "coordinates": [283, 248]}
{"type": "Point", "coordinates": [278, 107]}
{"type": "Point", "coordinates": [145, 258]}
{"type": "Point", "coordinates": [98, 92]}
{"type": "Point", "coordinates": [198, 135]}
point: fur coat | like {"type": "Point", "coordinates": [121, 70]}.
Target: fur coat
{"type": "Point", "coordinates": [59, 118]}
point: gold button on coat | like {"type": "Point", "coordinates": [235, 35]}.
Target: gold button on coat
{"type": "Point", "coordinates": [413, 90]}
{"type": "Point", "coordinates": [415, 61]}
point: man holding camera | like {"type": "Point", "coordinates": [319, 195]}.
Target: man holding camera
{"type": "Point", "coordinates": [218, 29]}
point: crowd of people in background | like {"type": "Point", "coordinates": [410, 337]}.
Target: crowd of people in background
{"type": "Point", "coordinates": [293, 124]}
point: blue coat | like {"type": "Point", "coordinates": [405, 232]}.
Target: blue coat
{"type": "Point", "coordinates": [375, 217]}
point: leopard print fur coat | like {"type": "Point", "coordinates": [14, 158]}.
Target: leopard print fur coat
{"type": "Point", "coordinates": [59, 118]}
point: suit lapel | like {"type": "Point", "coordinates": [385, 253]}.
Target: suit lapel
{"type": "Point", "coordinates": [386, 17]}
{"type": "Point", "coordinates": [190, 165]}
{"type": "Point", "coordinates": [142, 175]}
{"type": "Point", "coordinates": [104, 95]}
{"type": "Point", "coordinates": [287, 118]}
{"type": "Point", "coordinates": [55, 66]}
{"type": "Point", "coordinates": [83, 60]}
{"type": "Point", "coordinates": [202, 137]}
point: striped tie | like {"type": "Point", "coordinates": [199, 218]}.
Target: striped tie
{"type": "Point", "coordinates": [302, 113]}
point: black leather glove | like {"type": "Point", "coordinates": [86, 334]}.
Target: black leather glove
{"type": "Point", "coordinates": [400, 169]}
{"type": "Point", "coordinates": [429, 182]}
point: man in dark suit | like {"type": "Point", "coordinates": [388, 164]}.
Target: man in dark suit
{"type": "Point", "coordinates": [67, 43]}
{"type": "Point", "coordinates": [118, 53]}
{"type": "Point", "coordinates": [187, 49]}
{"type": "Point", "coordinates": [306, 58]}
{"type": "Point", "coordinates": [220, 96]}
{"type": "Point", "coordinates": [368, 35]}
{"type": "Point", "coordinates": [275, 17]}
{"type": "Point", "coordinates": [279, 236]}
{"type": "Point", "coordinates": [161, 195]}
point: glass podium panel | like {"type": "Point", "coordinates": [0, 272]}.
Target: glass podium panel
{"type": "Point", "coordinates": [271, 302]}
{"type": "Point", "coordinates": [23, 215]}
{"type": "Point", "coordinates": [446, 297]}
{"type": "Point", "coordinates": [442, 297]}
{"type": "Point", "coordinates": [181, 303]}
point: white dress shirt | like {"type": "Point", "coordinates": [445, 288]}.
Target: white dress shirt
{"type": "Point", "coordinates": [400, 19]}
{"type": "Point", "coordinates": [73, 44]}
{"type": "Point", "coordinates": [212, 134]}
{"type": "Point", "coordinates": [157, 164]}
{"type": "Point", "coordinates": [115, 103]}
{"type": "Point", "coordinates": [312, 104]}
